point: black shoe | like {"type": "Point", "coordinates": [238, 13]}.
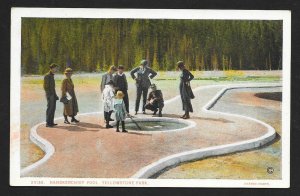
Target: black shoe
{"type": "Point", "coordinates": [109, 126]}
{"type": "Point", "coordinates": [124, 131]}
{"type": "Point", "coordinates": [135, 113]}
{"type": "Point", "coordinates": [159, 114]}
{"type": "Point", "coordinates": [66, 122]}
{"type": "Point", "coordinates": [117, 130]}
{"type": "Point", "coordinates": [74, 120]}
{"type": "Point", "coordinates": [54, 124]}
{"type": "Point", "coordinates": [154, 113]}
{"type": "Point", "coordinates": [187, 116]}
{"type": "Point", "coordinates": [144, 112]}
{"type": "Point", "coordinates": [49, 125]}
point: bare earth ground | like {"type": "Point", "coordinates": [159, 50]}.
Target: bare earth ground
{"type": "Point", "coordinates": [246, 165]}
{"type": "Point", "coordinates": [87, 86]}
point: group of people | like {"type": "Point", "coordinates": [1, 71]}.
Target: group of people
{"type": "Point", "coordinates": [114, 89]}
{"type": "Point", "coordinates": [68, 96]}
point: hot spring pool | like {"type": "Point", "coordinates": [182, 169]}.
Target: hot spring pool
{"type": "Point", "coordinates": [157, 124]}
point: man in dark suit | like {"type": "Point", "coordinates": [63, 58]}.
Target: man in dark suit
{"type": "Point", "coordinates": [143, 72]}
{"type": "Point", "coordinates": [121, 84]}
{"type": "Point", "coordinates": [49, 87]}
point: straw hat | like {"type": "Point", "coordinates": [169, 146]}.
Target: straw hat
{"type": "Point", "coordinates": [180, 64]}
{"type": "Point", "coordinates": [144, 62]}
{"type": "Point", "coordinates": [120, 95]}
{"type": "Point", "coordinates": [68, 70]}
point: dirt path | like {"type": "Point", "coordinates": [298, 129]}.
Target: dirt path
{"type": "Point", "coordinates": [89, 150]}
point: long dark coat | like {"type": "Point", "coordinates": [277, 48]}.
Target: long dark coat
{"type": "Point", "coordinates": [71, 108]}
{"type": "Point", "coordinates": [186, 93]}
{"type": "Point", "coordinates": [49, 85]}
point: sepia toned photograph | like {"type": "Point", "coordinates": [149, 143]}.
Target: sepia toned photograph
{"type": "Point", "coordinates": [150, 98]}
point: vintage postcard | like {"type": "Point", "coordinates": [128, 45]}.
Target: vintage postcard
{"type": "Point", "coordinates": [150, 98]}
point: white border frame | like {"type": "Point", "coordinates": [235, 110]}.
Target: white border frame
{"type": "Point", "coordinates": [18, 13]}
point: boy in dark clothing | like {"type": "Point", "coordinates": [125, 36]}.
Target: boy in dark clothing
{"type": "Point", "coordinates": [155, 101]}
{"type": "Point", "coordinates": [121, 84]}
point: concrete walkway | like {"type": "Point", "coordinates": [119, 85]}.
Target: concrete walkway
{"type": "Point", "coordinates": [87, 150]}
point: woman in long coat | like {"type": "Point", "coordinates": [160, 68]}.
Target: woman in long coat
{"type": "Point", "coordinates": [186, 92]}
{"type": "Point", "coordinates": [67, 88]}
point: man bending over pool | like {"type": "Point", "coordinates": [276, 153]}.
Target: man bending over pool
{"type": "Point", "coordinates": [155, 101]}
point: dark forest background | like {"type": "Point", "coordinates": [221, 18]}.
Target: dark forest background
{"type": "Point", "coordinates": [94, 44]}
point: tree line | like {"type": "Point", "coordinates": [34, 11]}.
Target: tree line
{"type": "Point", "coordinates": [94, 44]}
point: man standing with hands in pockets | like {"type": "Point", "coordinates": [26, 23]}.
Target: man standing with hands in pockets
{"type": "Point", "coordinates": [49, 87]}
{"type": "Point", "coordinates": [143, 72]}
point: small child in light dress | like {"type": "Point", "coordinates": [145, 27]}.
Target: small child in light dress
{"type": "Point", "coordinates": [120, 110]}
{"type": "Point", "coordinates": [107, 97]}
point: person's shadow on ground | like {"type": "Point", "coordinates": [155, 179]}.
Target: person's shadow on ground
{"type": "Point", "coordinates": [81, 126]}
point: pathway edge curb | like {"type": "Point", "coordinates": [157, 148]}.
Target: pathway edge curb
{"type": "Point", "coordinates": [197, 154]}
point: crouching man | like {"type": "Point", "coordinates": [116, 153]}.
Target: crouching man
{"type": "Point", "coordinates": [155, 101]}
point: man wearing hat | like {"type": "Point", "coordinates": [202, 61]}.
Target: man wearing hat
{"type": "Point", "coordinates": [155, 101]}
{"type": "Point", "coordinates": [108, 76]}
{"type": "Point", "coordinates": [143, 72]}
{"type": "Point", "coordinates": [49, 87]}
{"type": "Point", "coordinates": [121, 84]}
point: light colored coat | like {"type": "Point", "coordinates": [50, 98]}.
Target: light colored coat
{"type": "Point", "coordinates": [119, 107]}
{"type": "Point", "coordinates": [107, 97]}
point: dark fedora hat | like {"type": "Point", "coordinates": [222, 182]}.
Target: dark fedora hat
{"type": "Point", "coordinates": [53, 65]}
{"type": "Point", "coordinates": [120, 67]}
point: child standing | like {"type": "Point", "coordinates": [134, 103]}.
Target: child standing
{"type": "Point", "coordinates": [120, 110]}
{"type": "Point", "coordinates": [107, 97]}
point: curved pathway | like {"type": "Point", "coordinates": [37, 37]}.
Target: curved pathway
{"type": "Point", "coordinates": [89, 150]}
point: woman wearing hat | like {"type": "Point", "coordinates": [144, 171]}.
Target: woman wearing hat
{"type": "Point", "coordinates": [120, 110]}
{"type": "Point", "coordinates": [186, 92]}
{"type": "Point", "coordinates": [71, 106]}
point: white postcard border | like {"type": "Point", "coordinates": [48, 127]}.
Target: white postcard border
{"type": "Point", "coordinates": [18, 13]}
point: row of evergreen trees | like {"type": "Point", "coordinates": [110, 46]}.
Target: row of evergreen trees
{"type": "Point", "coordinates": [94, 44]}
